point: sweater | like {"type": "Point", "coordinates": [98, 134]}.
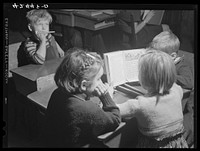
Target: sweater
{"type": "Point", "coordinates": [184, 75]}
{"type": "Point", "coordinates": [156, 118]}
{"type": "Point", "coordinates": [71, 121]}
{"type": "Point", "coordinates": [27, 54]}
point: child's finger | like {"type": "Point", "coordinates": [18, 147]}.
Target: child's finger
{"type": "Point", "coordinates": [97, 91]}
{"type": "Point", "coordinates": [30, 44]}
{"type": "Point", "coordinates": [31, 48]}
{"type": "Point", "coordinates": [101, 88]}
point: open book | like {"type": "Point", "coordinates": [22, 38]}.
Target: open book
{"type": "Point", "coordinates": [157, 18]}
{"type": "Point", "coordinates": [122, 66]}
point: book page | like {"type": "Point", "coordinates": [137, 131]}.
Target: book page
{"type": "Point", "coordinates": [115, 68]}
{"type": "Point", "coordinates": [130, 59]}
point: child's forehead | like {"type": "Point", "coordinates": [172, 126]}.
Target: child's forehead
{"type": "Point", "coordinates": [42, 20]}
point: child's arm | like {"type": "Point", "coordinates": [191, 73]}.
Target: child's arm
{"type": "Point", "coordinates": [185, 77]}
{"type": "Point", "coordinates": [42, 48]}
{"type": "Point", "coordinates": [60, 51]}
{"type": "Point", "coordinates": [128, 108]}
{"type": "Point", "coordinates": [104, 119]}
{"type": "Point", "coordinates": [31, 49]}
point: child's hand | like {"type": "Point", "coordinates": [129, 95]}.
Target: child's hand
{"type": "Point", "coordinates": [61, 52]}
{"type": "Point", "coordinates": [110, 90]}
{"type": "Point", "coordinates": [102, 89]}
{"type": "Point", "coordinates": [30, 45]}
{"type": "Point", "coordinates": [41, 35]}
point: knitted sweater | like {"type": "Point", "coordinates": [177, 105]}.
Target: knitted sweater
{"type": "Point", "coordinates": [27, 54]}
{"type": "Point", "coordinates": [157, 119]}
{"type": "Point", "coordinates": [71, 121]}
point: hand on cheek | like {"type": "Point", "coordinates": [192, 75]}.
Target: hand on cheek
{"type": "Point", "coordinates": [41, 35]}
{"type": "Point", "coordinates": [101, 89]}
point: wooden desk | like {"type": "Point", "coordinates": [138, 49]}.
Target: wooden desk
{"type": "Point", "coordinates": [41, 97]}
{"type": "Point", "coordinates": [112, 139]}
{"type": "Point", "coordinates": [31, 78]}
{"type": "Point", "coordinates": [90, 26]}
{"type": "Point", "coordinates": [82, 19]}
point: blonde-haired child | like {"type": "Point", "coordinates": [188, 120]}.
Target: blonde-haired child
{"type": "Point", "coordinates": [71, 119]}
{"type": "Point", "coordinates": [41, 46]}
{"type": "Point", "coordinates": [159, 112]}
{"type": "Point", "coordinates": [169, 43]}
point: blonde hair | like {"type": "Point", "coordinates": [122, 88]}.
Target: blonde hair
{"type": "Point", "coordinates": [78, 65]}
{"type": "Point", "coordinates": [34, 15]}
{"type": "Point", "coordinates": [166, 41]}
{"type": "Point", "coordinates": [157, 71]}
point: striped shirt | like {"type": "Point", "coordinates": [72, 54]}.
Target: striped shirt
{"type": "Point", "coordinates": [32, 45]}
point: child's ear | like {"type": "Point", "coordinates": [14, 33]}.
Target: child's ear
{"type": "Point", "coordinates": [29, 27]}
{"type": "Point", "coordinates": [84, 85]}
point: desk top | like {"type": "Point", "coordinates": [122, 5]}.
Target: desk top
{"type": "Point", "coordinates": [42, 97]}
{"type": "Point", "coordinates": [33, 71]}
{"type": "Point", "coordinates": [85, 13]}
{"type": "Point", "coordinates": [106, 136]}
{"type": "Point", "coordinates": [85, 19]}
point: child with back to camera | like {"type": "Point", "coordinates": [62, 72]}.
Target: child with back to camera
{"type": "Point", "coordinates": [159, 112]}
{"type": "Point", "coordinates": [169, 43]}
{"type": "Point", "coordinates": [71, 119]}
{"type": "Point", "coordinates": [41, 46]}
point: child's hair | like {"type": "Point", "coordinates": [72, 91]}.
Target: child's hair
{"type": "Point", "coordinates": [78, 65]}
{"type": "Point", "coordinates": [157, 71]}
{"type": "Point", "coordinates": [34, 15]}
{"type": "Point", "coordinates": [166, 41]}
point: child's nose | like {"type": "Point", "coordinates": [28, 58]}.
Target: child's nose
{"type": "Point", "coordinates": [44, 27]}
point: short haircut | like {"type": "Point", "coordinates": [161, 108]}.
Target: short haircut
{"type": "Point", "coordinates": [77, 65]}
{"type": "Point", "coordinates": [166, 41]}
{"type": "Point", "coordinates": [34, 15]}
{"type": "Point", "coordinates": [157, 71]}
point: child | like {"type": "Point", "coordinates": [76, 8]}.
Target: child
{"type": "Point", "coordinates": [159, 112]}
{"type": "Point", "coordinates": [168, 42]}
{"type": "Point", "coordinates": [41, 46]}
{"type": "Point", "coordinates": [71, 119]}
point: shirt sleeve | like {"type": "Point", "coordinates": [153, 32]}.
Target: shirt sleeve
{"type": "Point", "coordinates": [31, 51]}
{"type": "Point", "coordinates": [184, 76]}
{"type": "Point", "coordinates": [129, 108]}
{"type": "Point", "coordinates": [105, 119]}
